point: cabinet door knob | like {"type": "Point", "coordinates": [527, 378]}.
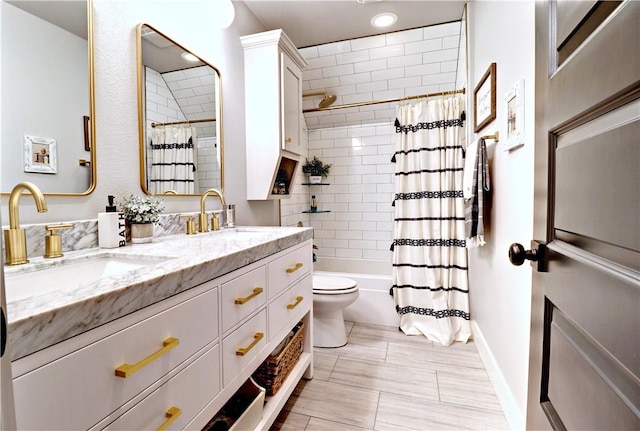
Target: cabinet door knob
{"type": "Point", "coordinates": [127, 370]}
{"type": "Point", "coordinates": [257, 291]}
{"type": "Point", "coordinates": [172, 414]}
{"type": "Point", "coordinates": [241, 351]}
{"type": "Point", "coordinates": [295, 268]}
{"type": "Point", "coordinates": [288, 140]}
{"type": "Point", "coordinates": [295, 304]}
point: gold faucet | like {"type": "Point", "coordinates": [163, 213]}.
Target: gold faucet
{"type": "Point", "coordinates": [15, 239]}
{"type": "Point", "coordinates": [202, 217]}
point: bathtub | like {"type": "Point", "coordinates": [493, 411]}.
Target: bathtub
{"type": "Point", "coordinates": [374, 304]}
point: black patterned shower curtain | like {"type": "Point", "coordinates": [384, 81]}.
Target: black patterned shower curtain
{"type": "Point", "coordinates": [172, 159]}
{"type": "Point", "coordinates": [430, 284]}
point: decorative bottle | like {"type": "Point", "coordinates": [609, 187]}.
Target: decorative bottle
{"type": "Point", "coordinates": [314, 204]}
{"type": "Point", "coordinates": [111, 224]}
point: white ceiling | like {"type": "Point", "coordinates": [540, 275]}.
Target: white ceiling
{"type": "Point", "coordinates": [311, 22]}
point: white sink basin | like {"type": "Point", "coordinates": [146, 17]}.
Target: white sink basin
{"type": "Point", "coordinates": [66, 275]}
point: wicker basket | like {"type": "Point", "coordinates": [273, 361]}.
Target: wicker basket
{"type": "Point", "coordinates": [275, 369]}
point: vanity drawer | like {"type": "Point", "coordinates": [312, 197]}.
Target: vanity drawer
{"type": "Point", "coordinates": [79, 389]}
{"type": "Point", "coordinates": [248, 340]}
{"type": "Point", "coordinates": [190, 391]}
{"type": "Point", "coordinates": [290, 306]}
{"type": "Point", "coordinates": [288, 268]}
{"type": "Point", "coordinates": [242, 296]}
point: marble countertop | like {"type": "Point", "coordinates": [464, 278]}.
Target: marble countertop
{"type": "Point", "coordinates": [184, 261]}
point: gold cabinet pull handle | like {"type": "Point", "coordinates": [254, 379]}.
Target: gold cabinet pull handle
{"type": "Point", "coordinates": [127, 370]}
{"type": "Point", "coordinates": [288, 140]}
{"type": "Point", "coordinates": [241, 351]}
{"type": "Point", "coordinates": [295, 268]}
{"type": "Point", "coordinates": [257, 291]}
{"type": "Point", "coordinates": [172, 414]}
{"type": "Point", "coordinates": [295, 304]}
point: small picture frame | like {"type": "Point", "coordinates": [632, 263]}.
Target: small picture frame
{"type": "Point", "coordinates": [484, 99]}
{"type": "Point", "coordinates": [514, 99]}
{"type": "Point", "coordinates": [40, 155]}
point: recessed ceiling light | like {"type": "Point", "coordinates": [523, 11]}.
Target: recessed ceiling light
{"type": "Point", "coordinates": [189, 57]}
{"type": "Point", "coordinates": [384, 19]}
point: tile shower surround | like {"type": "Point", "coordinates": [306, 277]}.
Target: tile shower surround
{"type": "Point", "coordinates": [386, 66]}
{"type": "Point", "coordinates": [418, 61]}
{"type": "Point", "coordinates": [360, 224]}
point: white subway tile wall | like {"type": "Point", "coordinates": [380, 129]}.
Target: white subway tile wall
{"type": "Point", "coordinates": [386, 66]}
{"type": "Point", "coordinates": [160, 103]}
{"type": "Point", "coordinates": [208, 168]}
{"type": "Point", "coordinates": [359, 142]}
{"type": "Point", "coordinates": [194, 90]}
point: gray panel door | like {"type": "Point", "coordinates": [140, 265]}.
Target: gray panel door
{"type": "Point", "coordinates": [585, 329]}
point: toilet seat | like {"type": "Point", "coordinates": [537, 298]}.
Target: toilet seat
{"type": "Point", "coordinates": [330, 285]}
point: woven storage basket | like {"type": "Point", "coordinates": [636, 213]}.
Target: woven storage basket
{"type": "Point", "coordinates": [275, 369]}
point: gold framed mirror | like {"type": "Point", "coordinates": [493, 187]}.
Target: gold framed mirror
{"type": "Point", "coordinates": [179, 118]}
{"type": "Point", "coordinates": [48, 97]}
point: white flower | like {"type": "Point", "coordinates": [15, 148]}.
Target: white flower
{"type": "Point", "coordinates": [138, 209]}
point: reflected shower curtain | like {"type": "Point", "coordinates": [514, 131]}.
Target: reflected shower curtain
{"type": "Point", "coordinates": [172, 159]}
{"type": "Point", "coordinates": [430, 284]}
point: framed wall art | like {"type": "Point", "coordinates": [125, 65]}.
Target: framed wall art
{"type": "Point", "coordinates": [40, 155]}
{"type": "Point", "coordinates": [484, 99]}
{"type": "Point", "coordinates": [514, 99]}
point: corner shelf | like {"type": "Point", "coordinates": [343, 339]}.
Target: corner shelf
{"type": "Point", "coordinates": [315, 184]}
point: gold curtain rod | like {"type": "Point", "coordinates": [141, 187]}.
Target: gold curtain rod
{"type": "Point", "coordinates": [204, 120]}
{"type": "Point", "coordinates": [377, 102]}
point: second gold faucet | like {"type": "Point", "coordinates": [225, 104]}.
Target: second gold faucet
{"type": "Point", "coordinates": [203, 219]}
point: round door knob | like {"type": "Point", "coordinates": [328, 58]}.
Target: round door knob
{"type": "Point", "coordinates": [517, 254]}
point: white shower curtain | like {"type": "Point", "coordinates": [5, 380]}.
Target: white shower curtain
{"type": "Point", "coordinates": [430, 284]}
{"type": "Point", "coordinates": [172, 159]}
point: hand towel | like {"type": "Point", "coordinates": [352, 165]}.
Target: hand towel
{"type": "Point", "coordinates": [471, 156]}
{"type": "Point", "coordinates": [474, 206]}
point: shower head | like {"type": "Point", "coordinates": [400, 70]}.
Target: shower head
{"type": "Point", "coordinates": [327, 100]}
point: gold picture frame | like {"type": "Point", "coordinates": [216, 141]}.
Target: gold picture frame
{"type": "Point", "coordinates": [484, 99]}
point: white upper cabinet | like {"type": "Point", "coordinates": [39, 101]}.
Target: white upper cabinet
{"type": "Point", "coordinates": [273, 106]}
{"type": "Point", "coordinates": [291, 105]}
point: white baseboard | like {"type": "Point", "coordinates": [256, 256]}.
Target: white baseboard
{"type": "Point", "coordinates": [515, 417]}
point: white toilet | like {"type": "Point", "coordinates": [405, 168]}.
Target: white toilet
{"type": "Point", "coordinates": [330, 296]}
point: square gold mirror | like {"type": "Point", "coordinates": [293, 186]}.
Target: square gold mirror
{"type": "Point", "coordinates": [179, 118]}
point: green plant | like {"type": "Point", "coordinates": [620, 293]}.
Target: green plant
{"type": "Point", "coordinates": [138, 209]}
{"type": "Point", "coordinates": [316, 167]}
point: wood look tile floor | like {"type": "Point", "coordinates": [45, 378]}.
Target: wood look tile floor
{"type": "Point", "coordinates": [384, 380]}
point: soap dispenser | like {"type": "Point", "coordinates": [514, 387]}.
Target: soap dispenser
{"type": "Point", "coordinates": [111, 224]}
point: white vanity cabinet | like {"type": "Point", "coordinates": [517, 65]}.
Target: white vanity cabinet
{"type": "Point", "coordinates": [290, 290]}
{"type": "Point", "coordinates": [273, 112]}
{"type": "Point", "coordinates": [285, 300]}
{"type": "Point", "coordinates": [186, 355]}
{"type": "Point", "coordinates": [80, 388]}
